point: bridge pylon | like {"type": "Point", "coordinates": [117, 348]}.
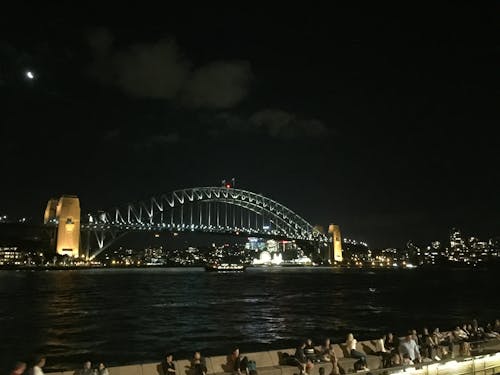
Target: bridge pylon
{"type": "Point", "coordinates": [336, 245]}
{"type": "Point", "coordinates": [65, 213]}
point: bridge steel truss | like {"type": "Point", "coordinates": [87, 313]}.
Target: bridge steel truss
{"type": "Point", "coordinates": [203, 209]}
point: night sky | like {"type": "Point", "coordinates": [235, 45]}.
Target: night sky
{"type": "Point", "coordinates": [382, 120]}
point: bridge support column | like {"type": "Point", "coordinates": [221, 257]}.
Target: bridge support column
{"type": "Point", "coordinates": [85, 244]}
{"type": "Point", "coordinates": [66, 213]}
{"type": "Point", "coordinates": [336, 251]}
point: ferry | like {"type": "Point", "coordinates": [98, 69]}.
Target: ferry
{"type": "Point", "coordinates": [225, 267]}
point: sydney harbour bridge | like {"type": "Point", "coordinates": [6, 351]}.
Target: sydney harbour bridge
{"type": "Point", "coordinates": [217, 209]}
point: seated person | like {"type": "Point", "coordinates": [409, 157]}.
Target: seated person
{"type": "Point", "coordinates": [490, 333]}
{"type": "Point", "coordinates": [168, 365]}
{"type": "Point", "coordinates": [198, 364]}
{"type": "Point", "coordinates": [239, 364]}
{"type": "Point", "coordinates": [351, 349]}
{"type": "Point", "coordinates": [102, 370]}
{"type": "Point", "coordinates": [310, 351]}
{"type": "Point", "coordinates": [460, 333]}
{"type": "Point", "coordinates": [414, 336]}
{"type": "Point", "coordinates": [300, 354]}
{"type": "Point", "coordinates": [409, 346]}
{"type": "Point", "coordinates": [380, 346]}
{"type": "Point", "coordinates": [86, 370]}
{"type": "Point", "coordinates": [449, 340]}
{"type": "Point", "coordinates": [299, 359]}
{"type": "Point", "coordinates": [391, 342]}
{"type": "Point", "coordinates": [428, 346]}
{"type": "Point", "coordinates": [496, 326]}
{"type": "Point", "coordinates": [381, 351]}
{"type": "Point", "coordinates": [464, 349]}
{"type": "Point", "coordinates": [326, 352]}
{"type": "Point", "coordinates": [437, 336]}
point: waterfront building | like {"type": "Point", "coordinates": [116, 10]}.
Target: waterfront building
{"type": "Point", "coordinates": [458, 248]}
{"type": "Point", "coordinates": [255, 244]}
{"type": "Point", "coordinates": [356, 252]}
{"type": "Point", "coordinates": [11, 255]}
{"type": "Point", "coordinates": [456, 240]}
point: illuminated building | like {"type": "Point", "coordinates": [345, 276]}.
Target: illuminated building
{"type": "Point", "coordinates": [456, 240]}
{"type": "Point", "coordinates": [334, 230]}
{"type": "Point", "coordinates": [255, 244]}
{"type": "Point", "coordinates": [10, 255]}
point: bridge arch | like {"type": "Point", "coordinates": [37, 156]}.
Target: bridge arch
{"type": "Point", "coordinates": [204, 209]}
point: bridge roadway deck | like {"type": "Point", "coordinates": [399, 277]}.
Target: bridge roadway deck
{"type": "Point", "coordinates": [486, 361]}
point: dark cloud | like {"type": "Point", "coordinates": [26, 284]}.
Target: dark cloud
{"type": "Point", "coordinates": [112, 134]}
{"type": "Point", "coordinates": [278, 123]}
{"type": "Point", "coordinates": [158, 141]}
{"type": "Point", "coordinates": [151, 70]}
{"type": "Point", "coordinates": [219, 84]}
{"type": "Point", "coordinates": [275, 123]}
{"type": "Point", "coordinates": [160, 70]}
{"type": "Point", "coordinates": [100, 41]}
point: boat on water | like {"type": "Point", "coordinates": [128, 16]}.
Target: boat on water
{"type": "Point", "coordinates": [225, 267]}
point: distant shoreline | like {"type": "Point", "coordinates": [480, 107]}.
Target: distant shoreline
{"type": "Point", "coordinates": [493, 265]}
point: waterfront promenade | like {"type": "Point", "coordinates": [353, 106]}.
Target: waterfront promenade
{"type": "Point", "coordinates": [485, 360]}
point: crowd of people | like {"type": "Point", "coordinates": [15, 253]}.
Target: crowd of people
{"type": "Point", "coordinates": [414, 348]}
{"type": "Point", "coordinates": [236, 364]}
{"type": "Point", "coordinates": [39, 362]}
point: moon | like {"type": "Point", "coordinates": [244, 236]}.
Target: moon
{"type": "Point", "coordinates": [30, 74]}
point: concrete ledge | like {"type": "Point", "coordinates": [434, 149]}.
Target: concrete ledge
{"type": "Point", "coordinates": [183, 367]}
{"type": "Point", "coordinates": [368, 347]}
{"type": "Point", "coordinates": [271, 362]}
{"type": "Point", "coordinates": [219, 364]}
{"type": "Point", "coordinates": [277, 356]}
{"type": "Point", "coordinates": [262, 359]}
{"type": "Point", "coordinates": [152, 369]}
{"type": "Point", "coordinates": [126, 370]}
{"type": "Point", "coordinates": [288, 370]}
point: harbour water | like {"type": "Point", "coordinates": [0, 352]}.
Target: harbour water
{"type": "Point", "coordinates": [125, 316]}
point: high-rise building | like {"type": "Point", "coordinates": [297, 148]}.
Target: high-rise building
{"type": "Point", "coordinates": [456, 240]}
{"type": "Point", "coordinates": [66, 213]}
{"type": "Point", "coordinates": [334, 230]}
